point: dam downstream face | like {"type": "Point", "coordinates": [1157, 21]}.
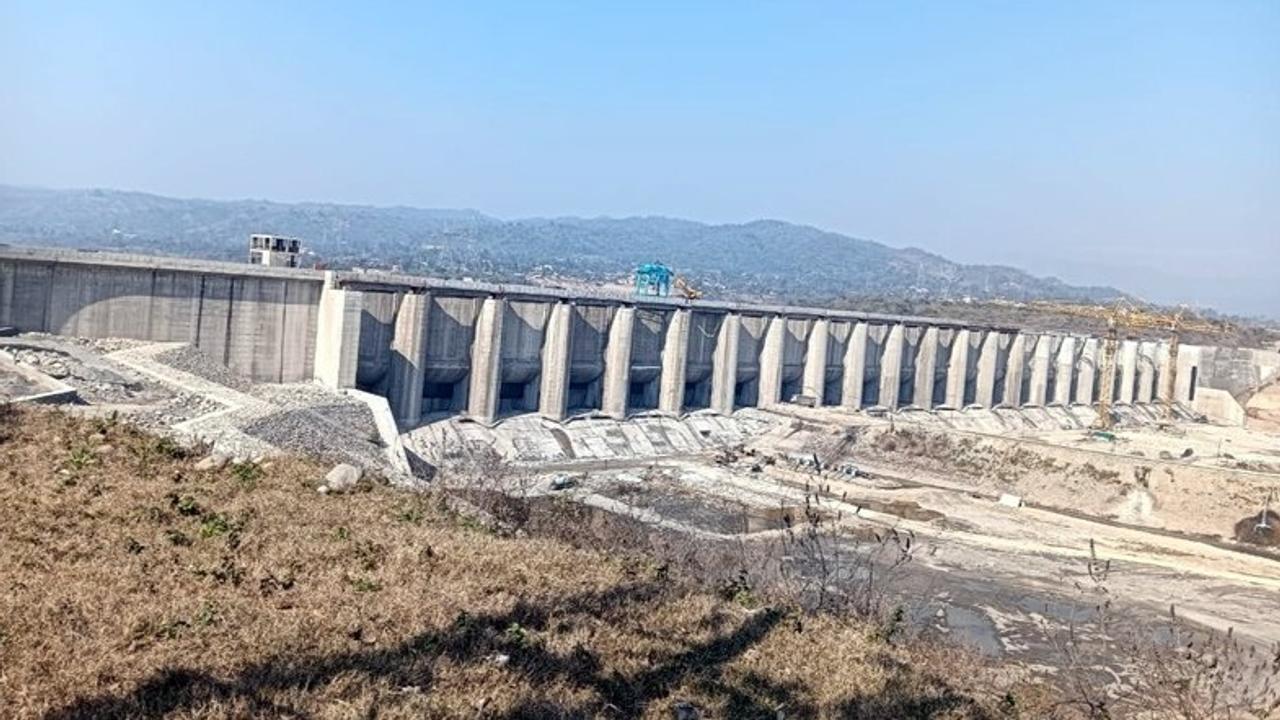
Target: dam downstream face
{"type": "Point", "coordinates": [436, 348]}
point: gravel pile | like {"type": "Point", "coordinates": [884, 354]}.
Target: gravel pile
{"type": "Point", "coordinates": [192, 360]}
{"type": "Point", "coordinates": [353, 416]}
{"type": "Point", "coordinates": [339, 410]}
{"type": "Point", "coordinates": [306, 432]}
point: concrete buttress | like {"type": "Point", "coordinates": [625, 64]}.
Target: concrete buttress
{"type": "Point", "coordinates": [617, 363]}
{"type": "Point", "coordinates": [988, 358]}
{"type": "Point", "coordinates": [1108, 370]}
{"type": "Point", "coordinates": [1087, 371]}
{"type": "Point", "coordinates": [337, 336]}
{"type": "Point", "coordinates": [1038, 392]}
{"type": "Point", "coordinates": [1146, 372]}
{"type": "Point", "coordinates": [408, 358]}
{"type": "Point", "coordinates": [855, 367]}
{"type": "Point", "coordinates": [553, 388]}
{"type": "Point", "coordinates": [1128, 366]}
{"type": "Point", "coordinates": [1014, 370]}
{"type": "Point", "coordinates": [771, 362]}
{"type": "Point", "coordinates": [1066, 364]}
{"type": "Point", "coordinates": [958, 369]}
{"type": "Point", "coordinates": [891, 367]}
{"type": "Point", "coordinates": [1188, 363]}
{"type": "Point", "coordinates": [486, 361]}
{"type": "Point", "coordinates": [724, 372]}
{"type": "Point", "coordinates": [815, 361]}
{"type": "Point", "coordinates": [1166, 389]}
{"type": "Point", "coordinates": [926, 368]}
{"type": "Point", "coordinates": [675, 359]}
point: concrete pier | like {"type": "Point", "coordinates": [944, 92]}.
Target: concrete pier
{"type": "Point", "coordinates": [617, 363]}
{"type": "Point", "coordinates": [675, 357]}
{"type": "Point", "coordinates": [408, 358]}
{"type": "Point", "coordinates": [926, 368]}
{"type": "Point", "coordinates": [771, 358]}
{"type": "Point", "coordinates": [988, 361]}
{"type": "Point", "coordinates": [486, 362]}
{"type": "Point", "coordinates": [1166, 387]}
{"type": "Point", "coordinates": [958, 369]}
{"type": "Point", "coordinates": [1087, 371]}
{"type": "Point", "coordinates": [724, 371]}
{"type": "Point", "coordinates": [553, 389]}
{"type": "Point", "coordinates": [1038, 392]}
{"type": "Point", "coordinates": [855, 368]}
{"type": "Point", "coordinates": [1146, 387]}
{"type": "Point", "coordinates": [1014, 371]}
{"type": "Point", "coordinates": [1108, 370]}
{"type": "Point", "coordinates": [1065, 373]}
{"type": "Point", "coordinates": [337, 336]}
{"type": "Point", "coordinates": [891, 367]}
{"type": "Point", "coordinates": [1186, 380]}
{"type": "Point", "coordinates": [1127, 364]}
{"type": "Point", "coordinates": [815, 362]}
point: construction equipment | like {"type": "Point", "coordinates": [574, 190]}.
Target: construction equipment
{"type": "Point", "coordinates": [687, 290]}
{"type": "Point", "coordinates": [1127, 316]}
{"type": "Point", "coordinates": [657, 280]}
{"type": "Point", "coordinates": [654, 279]}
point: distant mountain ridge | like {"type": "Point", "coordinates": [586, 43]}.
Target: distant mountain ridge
{"type": "Point", "coordinates": [765, 259]}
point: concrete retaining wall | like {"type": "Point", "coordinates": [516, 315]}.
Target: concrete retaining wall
{"type": "Point", "coordinates": [259, 322]}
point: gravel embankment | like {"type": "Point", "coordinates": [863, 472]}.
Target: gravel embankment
{"type": "Point", "coordinates": [192, 360]}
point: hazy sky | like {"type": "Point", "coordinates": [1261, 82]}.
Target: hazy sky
{"type": "Point", "coordinates": [1127, 143]}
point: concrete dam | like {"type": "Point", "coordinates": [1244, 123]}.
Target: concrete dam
{"type": "Point", "coordinates": [434, 347]}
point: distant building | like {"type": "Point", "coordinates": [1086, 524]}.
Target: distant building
{"type": "Point", "coordinates": [274, 250]}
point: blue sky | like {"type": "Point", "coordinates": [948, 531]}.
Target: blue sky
{"type": "Point", "coordinates": [1128, 143]}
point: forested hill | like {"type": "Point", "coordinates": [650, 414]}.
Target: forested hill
{"type": "Point", "coordinates": [763, 259]}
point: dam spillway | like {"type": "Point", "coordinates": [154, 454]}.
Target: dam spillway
{"type": "Point", "coordinates": [481, 350]}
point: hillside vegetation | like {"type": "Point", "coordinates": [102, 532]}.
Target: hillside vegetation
{"type": "Point", "coordinates": [762, 259]}
{"type": "Point", "coordinates": [133, 584]}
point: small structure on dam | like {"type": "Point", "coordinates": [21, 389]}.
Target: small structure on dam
{"type": "Point", "coordinates": [435, 347]}
{"type": "Point", "coordinates": [274, 250]}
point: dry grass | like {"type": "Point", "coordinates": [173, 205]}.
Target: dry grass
{"type": "Point", "coordinates": [133, 585]}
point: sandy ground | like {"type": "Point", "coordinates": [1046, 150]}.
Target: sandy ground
{"type": "Point", "coordinates": [1001, 579]}
{"type": "Point", "coordinates": [1011, 582]}
{"type": "Point", "coordinates": [1207, 497]}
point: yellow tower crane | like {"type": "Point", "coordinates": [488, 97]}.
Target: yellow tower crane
{"type": "Point", "coordinates": [684, 288]}
{"type": "Point", "coordinates": [1126, 316]}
